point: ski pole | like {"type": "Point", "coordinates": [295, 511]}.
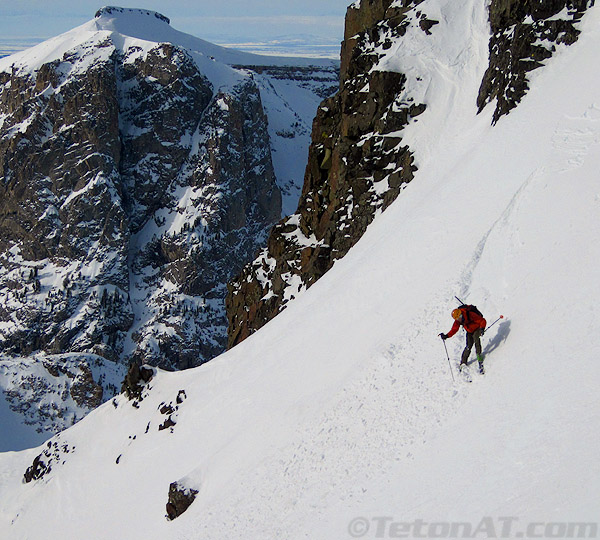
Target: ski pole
{"type": "Point", "coordinates": [501, 317]}
{"type": "Point", "coordinates": [448, 356]}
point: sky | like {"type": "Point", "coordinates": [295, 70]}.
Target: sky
{"type": "Point", "coordinates": [314, 26]}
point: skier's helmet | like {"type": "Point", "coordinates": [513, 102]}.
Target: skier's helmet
{"type": "Point", "coordinates": [456, 313]}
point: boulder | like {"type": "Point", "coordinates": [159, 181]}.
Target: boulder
{"type": "Point", "coordinates": [180, 499]}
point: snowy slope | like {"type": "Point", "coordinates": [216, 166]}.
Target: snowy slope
{"type": "Point", "coordinates": [343, 406]}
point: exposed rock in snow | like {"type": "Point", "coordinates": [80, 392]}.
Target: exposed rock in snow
{"type": "Point", "coordinates": [113, 10]}
{"type": "Point", "coordinates": [180, 499]}
{"type": "Point", "coordinates": [136, 379]}
{"type": "Point", "coordinates": [341, 414]}
{"type": "Point", "coordinates": [54, 453]}
{"type": "Point", "coordinates": [524, 35]}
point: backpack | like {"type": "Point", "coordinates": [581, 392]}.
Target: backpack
{"type": "Point", "coordinates": [470, 309]}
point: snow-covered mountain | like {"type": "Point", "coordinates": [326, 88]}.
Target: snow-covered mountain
{"type": "Point", "coordinates": [340, 418]}
{"type": "Point", "coordinates": [140, 168]}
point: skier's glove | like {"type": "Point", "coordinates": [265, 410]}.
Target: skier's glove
{"type": "Point", "coordinates": [482, 331]}
{"type": "Point", "coordinates": [443, 336]}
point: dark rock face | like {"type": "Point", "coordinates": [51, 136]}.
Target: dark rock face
{"type": "Point", "coordinates": [136, 379]}
{"type": "Point", "coordinates": [524, 34]}
{"type": "Point", "coordinates": [129, 192]}
{"type": "Point", "coordinates": [357, 166]}
{"type": "Point", "coordinates": [162, 97]}
{"type": "Point", "coordinates": [180, 499]}
{"type": "Point", "coordinates": [85, 391]}
{"type": "Point", "coordinates": [54, 454]}
{"type": "Point", "coordinates": [233, 198]}
{"type": "Point", "coordinates": [136, 178]}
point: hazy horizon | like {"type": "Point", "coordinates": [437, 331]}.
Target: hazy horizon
{"type": "Point", "coordinates": [285, 28]}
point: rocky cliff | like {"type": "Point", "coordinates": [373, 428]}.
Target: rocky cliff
{"type": "Point", "coordinates": [97, 159]}
{"type": "Point", "coordinates": [136, 177]}
{"type": "Point", "coordinates": [524, 34]}
{"type": "Point", "coordinates": [358, 162]}
{"type": "Point", "coordinates": [357, 166]}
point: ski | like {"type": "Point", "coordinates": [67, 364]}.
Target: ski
{"type": "Point", "coordinates": [464, 370]}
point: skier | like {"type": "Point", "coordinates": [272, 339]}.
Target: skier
{"type": "Point", "coordinates": [474, 324]}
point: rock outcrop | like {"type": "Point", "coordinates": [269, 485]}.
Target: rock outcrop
{"type": "Point", "coordinates": [55, 453]}
{"type": "Point", "coordinates": [179, 500]}
{"type": "Point", "coordinates": [524, 34]}
{"type": "Point", "coordinates": [131, 189]}
{"type": "Point", "coordinates": [136, 380]}
{"type": "Point", "coordinates": [357, 166]}
{"type": "Point", "coordinates": [124, 178]}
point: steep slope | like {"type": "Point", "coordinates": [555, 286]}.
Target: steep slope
{"type": "Point", "coordinates": [343, 406]}
{"type": "Point", "coordinates": [139, 171]}
{"type": "Point", "coordinates": [360, 158]}
{"type": "Point", "coordinates": [524, 35]}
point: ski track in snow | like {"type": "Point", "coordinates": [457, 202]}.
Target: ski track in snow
{"type": "Point", "coordinates": [502, 222]}
{"type": "Point", "coordinates": [574, 141]}
{"type": "Point", "coordinates": [420, 404]}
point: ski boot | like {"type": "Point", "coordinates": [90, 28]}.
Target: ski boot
{"type": "Point", "coordinates": [480, 361]}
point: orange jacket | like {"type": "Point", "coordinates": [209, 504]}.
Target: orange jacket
{"type": "Point", "coordinates": [469, 320]}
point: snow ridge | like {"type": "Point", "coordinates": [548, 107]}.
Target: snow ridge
{"type": "Point", "coordinates": [107, 11]}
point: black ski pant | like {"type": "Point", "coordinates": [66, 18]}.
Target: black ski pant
{"type": "Point", "coordinates": [473, 338]}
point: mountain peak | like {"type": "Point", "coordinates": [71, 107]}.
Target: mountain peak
{"type": "Point", "coordinates": [114, 11]}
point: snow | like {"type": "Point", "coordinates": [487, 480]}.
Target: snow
{"type": "Point", "coordinates": [290, 109]}
{"type": "Point", "coordinates": [562, 15]}
{"type": "Point", "coordinates": [150, 28]}
{"type": "Point", "coordinates": [222, 105]}
{"type": "Point", "coordinates": [343, 406]}
{"type": "Point", "coordinates": [90, 186]}
{"type": "Point", "coordinates": [45, 398]}
{"type": "Point", "coordinates": [289, 104]}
